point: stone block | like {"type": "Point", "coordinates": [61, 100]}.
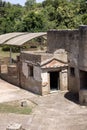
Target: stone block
{"type": "Point", "coordinates": [3, 68]}
{"type": "Point", "coordinates": [12, 70]}
{"type": "Point", "coordinates": [14, 126]}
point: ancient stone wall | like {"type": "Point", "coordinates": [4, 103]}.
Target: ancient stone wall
{"type": "Point", "coordinates": [9, 73]}
{"type": "Point", "coordinates": [60, 39]}
{"type": "Point", "coordinates": [45, 82]}
{"type": "Point", "coordinates": [10, 79]}
{"type": "Point", "coordinates": [31, 83]}
{"type": "Point", "coordinates": [56, 40]}
{"type": "Point", "coordinates": [64, 80]}
{"type": "Point", "coordinates": [83, 48]}
{"type": "Point", "coordinates": [73, 54]}
{"type": "Point", "coordinates": [12, 70]}
{"type": "Point", "coordinates": [30, 57]}
{"type": "Point", "coordinates": [35, 57]}
{"type": "Point", "coordinates": [83, 97]}
{"type": "Point", "coordinates": [46, 56]}
{"type": "Point", "coordinates": [3, 69]}
{"type": "Point", "coordinates": [68, 40]}
{"type": "Point", "coordinates": [61, 56]}
{"type": "Point", "coordinates": [4, 60]}
{"type": "Point", "coordinates": [65, 40]}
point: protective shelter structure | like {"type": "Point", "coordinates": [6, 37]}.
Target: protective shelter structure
{"type": "Point", "coordinates": [18, 39]}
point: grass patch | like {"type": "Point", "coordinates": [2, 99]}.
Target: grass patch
{"type": "Point", "coordinates": [15, 107]}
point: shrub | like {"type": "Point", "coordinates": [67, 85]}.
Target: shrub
{"type": "Point", "coordinates": [7, 48]}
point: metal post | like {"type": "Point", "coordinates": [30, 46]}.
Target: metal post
{"type": "Point", "coordinates": [20, 49]}
{"type": "Point", "coordinates": [10, 55]}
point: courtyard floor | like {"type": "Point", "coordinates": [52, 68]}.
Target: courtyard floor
{"type": "Point", "coordinates": [52, 112]}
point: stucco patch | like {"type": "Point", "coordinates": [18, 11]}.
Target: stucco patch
{"type": "Point", "coordinates": [25, 69]}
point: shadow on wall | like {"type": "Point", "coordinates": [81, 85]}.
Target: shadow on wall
{"type": "Point", "coordinates": [72, 97]}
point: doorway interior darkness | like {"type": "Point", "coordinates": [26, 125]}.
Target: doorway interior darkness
{"type": "Point", "coordinates": [83, 79]}
{"type": "Point", "coordinates": [54, 80]}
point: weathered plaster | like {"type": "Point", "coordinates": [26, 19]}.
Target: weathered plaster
{"type": "Point", "coordinates": [25, 69]}
{"type": "Point", "coordinates": [37, 73]}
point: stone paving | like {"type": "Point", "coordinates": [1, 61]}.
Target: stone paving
{"type": "Point", "coordinates": [53, 112]}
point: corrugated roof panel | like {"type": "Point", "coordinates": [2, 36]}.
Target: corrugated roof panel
{"type": "Point", "coordinates": [8, 36]}
{"type": "Point", "coordinates": [20, 40]}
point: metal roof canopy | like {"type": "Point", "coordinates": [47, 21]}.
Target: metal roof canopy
{"type": "Point", "coordinates": [9, 36]}
{"type": "Point", "coordinates": [18, 39]}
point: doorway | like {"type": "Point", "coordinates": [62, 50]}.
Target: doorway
{"type": "Point", "coordinates": [83, 79]}
{"type": "Point", "coordinates": [54, 80]}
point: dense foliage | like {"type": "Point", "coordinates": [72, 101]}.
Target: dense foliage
{"type": "Point", "coordinates": [38, 17]}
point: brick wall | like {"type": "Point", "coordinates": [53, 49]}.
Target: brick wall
{"type": "Point", "coordinates": [30, 57]}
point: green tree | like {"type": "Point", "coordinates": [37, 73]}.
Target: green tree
{"type": "Point", "coordinates": [50, 14]}
{"type": "Point", "coordinates": [84, 19]}
{"type": "Point", "coordinates": [32, 22]}
{"type": "Point", "coordinates": [47, 3]}
{"type": "Point", "coordinates": [30, 4]}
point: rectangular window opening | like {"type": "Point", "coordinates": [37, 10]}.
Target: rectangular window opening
{"type": "Point", "coordinates": [72, 71]}
{"type": "Point", "coordinates": [30, 70]}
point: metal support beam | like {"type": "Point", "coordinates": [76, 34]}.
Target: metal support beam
{"type": "Point", "coordinates": [20, 49]}
{"type": "Point", "coordinates": [10, 55]}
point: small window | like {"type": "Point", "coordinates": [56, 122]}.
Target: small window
{"type": "Point", "coordinates": [72, 71]}
{"type": "Point", "coordinates": [30, 71]}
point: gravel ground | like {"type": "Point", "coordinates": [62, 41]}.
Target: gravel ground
{"type": "Point", "coordinates": [52, 112]}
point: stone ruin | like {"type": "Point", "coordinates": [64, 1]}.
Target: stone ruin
{"type": "Point", "coordinates": [14, 126]}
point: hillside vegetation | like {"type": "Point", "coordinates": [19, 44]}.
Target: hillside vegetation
{"type": "Point", "coordinates": [38, 17]}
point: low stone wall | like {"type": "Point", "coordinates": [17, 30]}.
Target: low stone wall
{"type": "Point", "coordinates": [31, 57]}
{"type": "Point", "coordinates": [12, 70]}
{"type": "Point", "coordinates": [11, 79]}
{"type": "Point", "coordinates": [31, 84]}
{"type": "Point", "coordinates": [9, 73]}
{"type": "Point", "coordinates": [4, 60]}
{"type": "Point", "coordinates": [3, 68]}
{"type": "Point", "coordinates": [83, 97]}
